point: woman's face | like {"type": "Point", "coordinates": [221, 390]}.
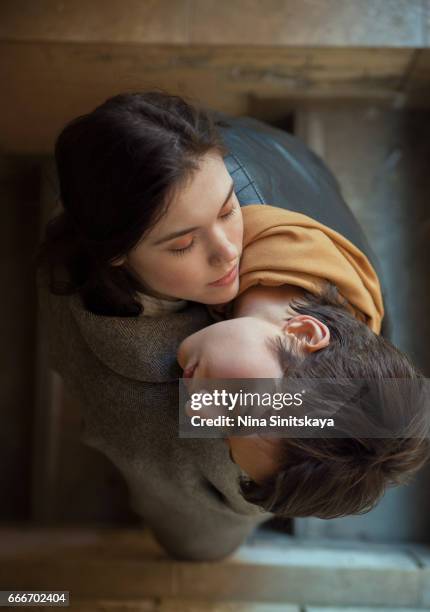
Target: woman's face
{"type": "Point", "coordinates": [197, 242]}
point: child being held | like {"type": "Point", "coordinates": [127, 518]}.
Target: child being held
{"type": "Point", "coordinates": [310, 306]}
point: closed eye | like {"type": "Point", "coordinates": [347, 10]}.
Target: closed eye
{"type": "Point", "coordinates": [191, 245]}
{"type": "Point", "coordinates": [229, 214]}
{"type": "Point", "coordinates": [184, 250]}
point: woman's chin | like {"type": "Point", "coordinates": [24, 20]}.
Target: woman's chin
{"type": "Point", "coordinates": [223, 295]}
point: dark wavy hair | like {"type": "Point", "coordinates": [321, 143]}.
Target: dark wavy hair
{"type": "Point", "coordinates": [339, 476]}
{"type": "Point", "coordinates": [118, 168]}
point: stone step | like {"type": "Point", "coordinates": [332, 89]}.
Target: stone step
{"type": "Point", "coordinates": [182, 605]}
{"type": "Point", "coordinates": [128, 565]}
{"type": "Point", "coordinates": [355, 609]}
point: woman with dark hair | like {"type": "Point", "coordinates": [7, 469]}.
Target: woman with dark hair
{"type": "Point", "coordinates": [137, 163]}
{"type": "Point", "coordinates": [151, 230]}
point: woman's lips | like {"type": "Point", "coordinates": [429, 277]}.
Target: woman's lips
{"type": "Point", "coordinates": [227, 279]}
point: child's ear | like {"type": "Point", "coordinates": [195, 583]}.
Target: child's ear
{"type": "Point", "coordinates": [310, 332]}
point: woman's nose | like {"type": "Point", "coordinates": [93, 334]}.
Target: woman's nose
{"type": "Point", "coordinates": [223, 250]}
{"type": "Point", "coordinates": [222, 246]}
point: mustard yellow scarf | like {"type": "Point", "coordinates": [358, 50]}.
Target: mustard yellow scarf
{"type": "Point", "coordinates": [284, 247]}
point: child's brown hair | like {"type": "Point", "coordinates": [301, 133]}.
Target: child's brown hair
{"type": "Point", "coordinates": [338, 476]}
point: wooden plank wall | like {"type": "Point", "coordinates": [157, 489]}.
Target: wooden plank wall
{"type": "Point", "coordinates": [58, 60]}
{"type": "Point", "coordinates": [19, 197]}
{"type": "Point", "coordinates": [50, 83]}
